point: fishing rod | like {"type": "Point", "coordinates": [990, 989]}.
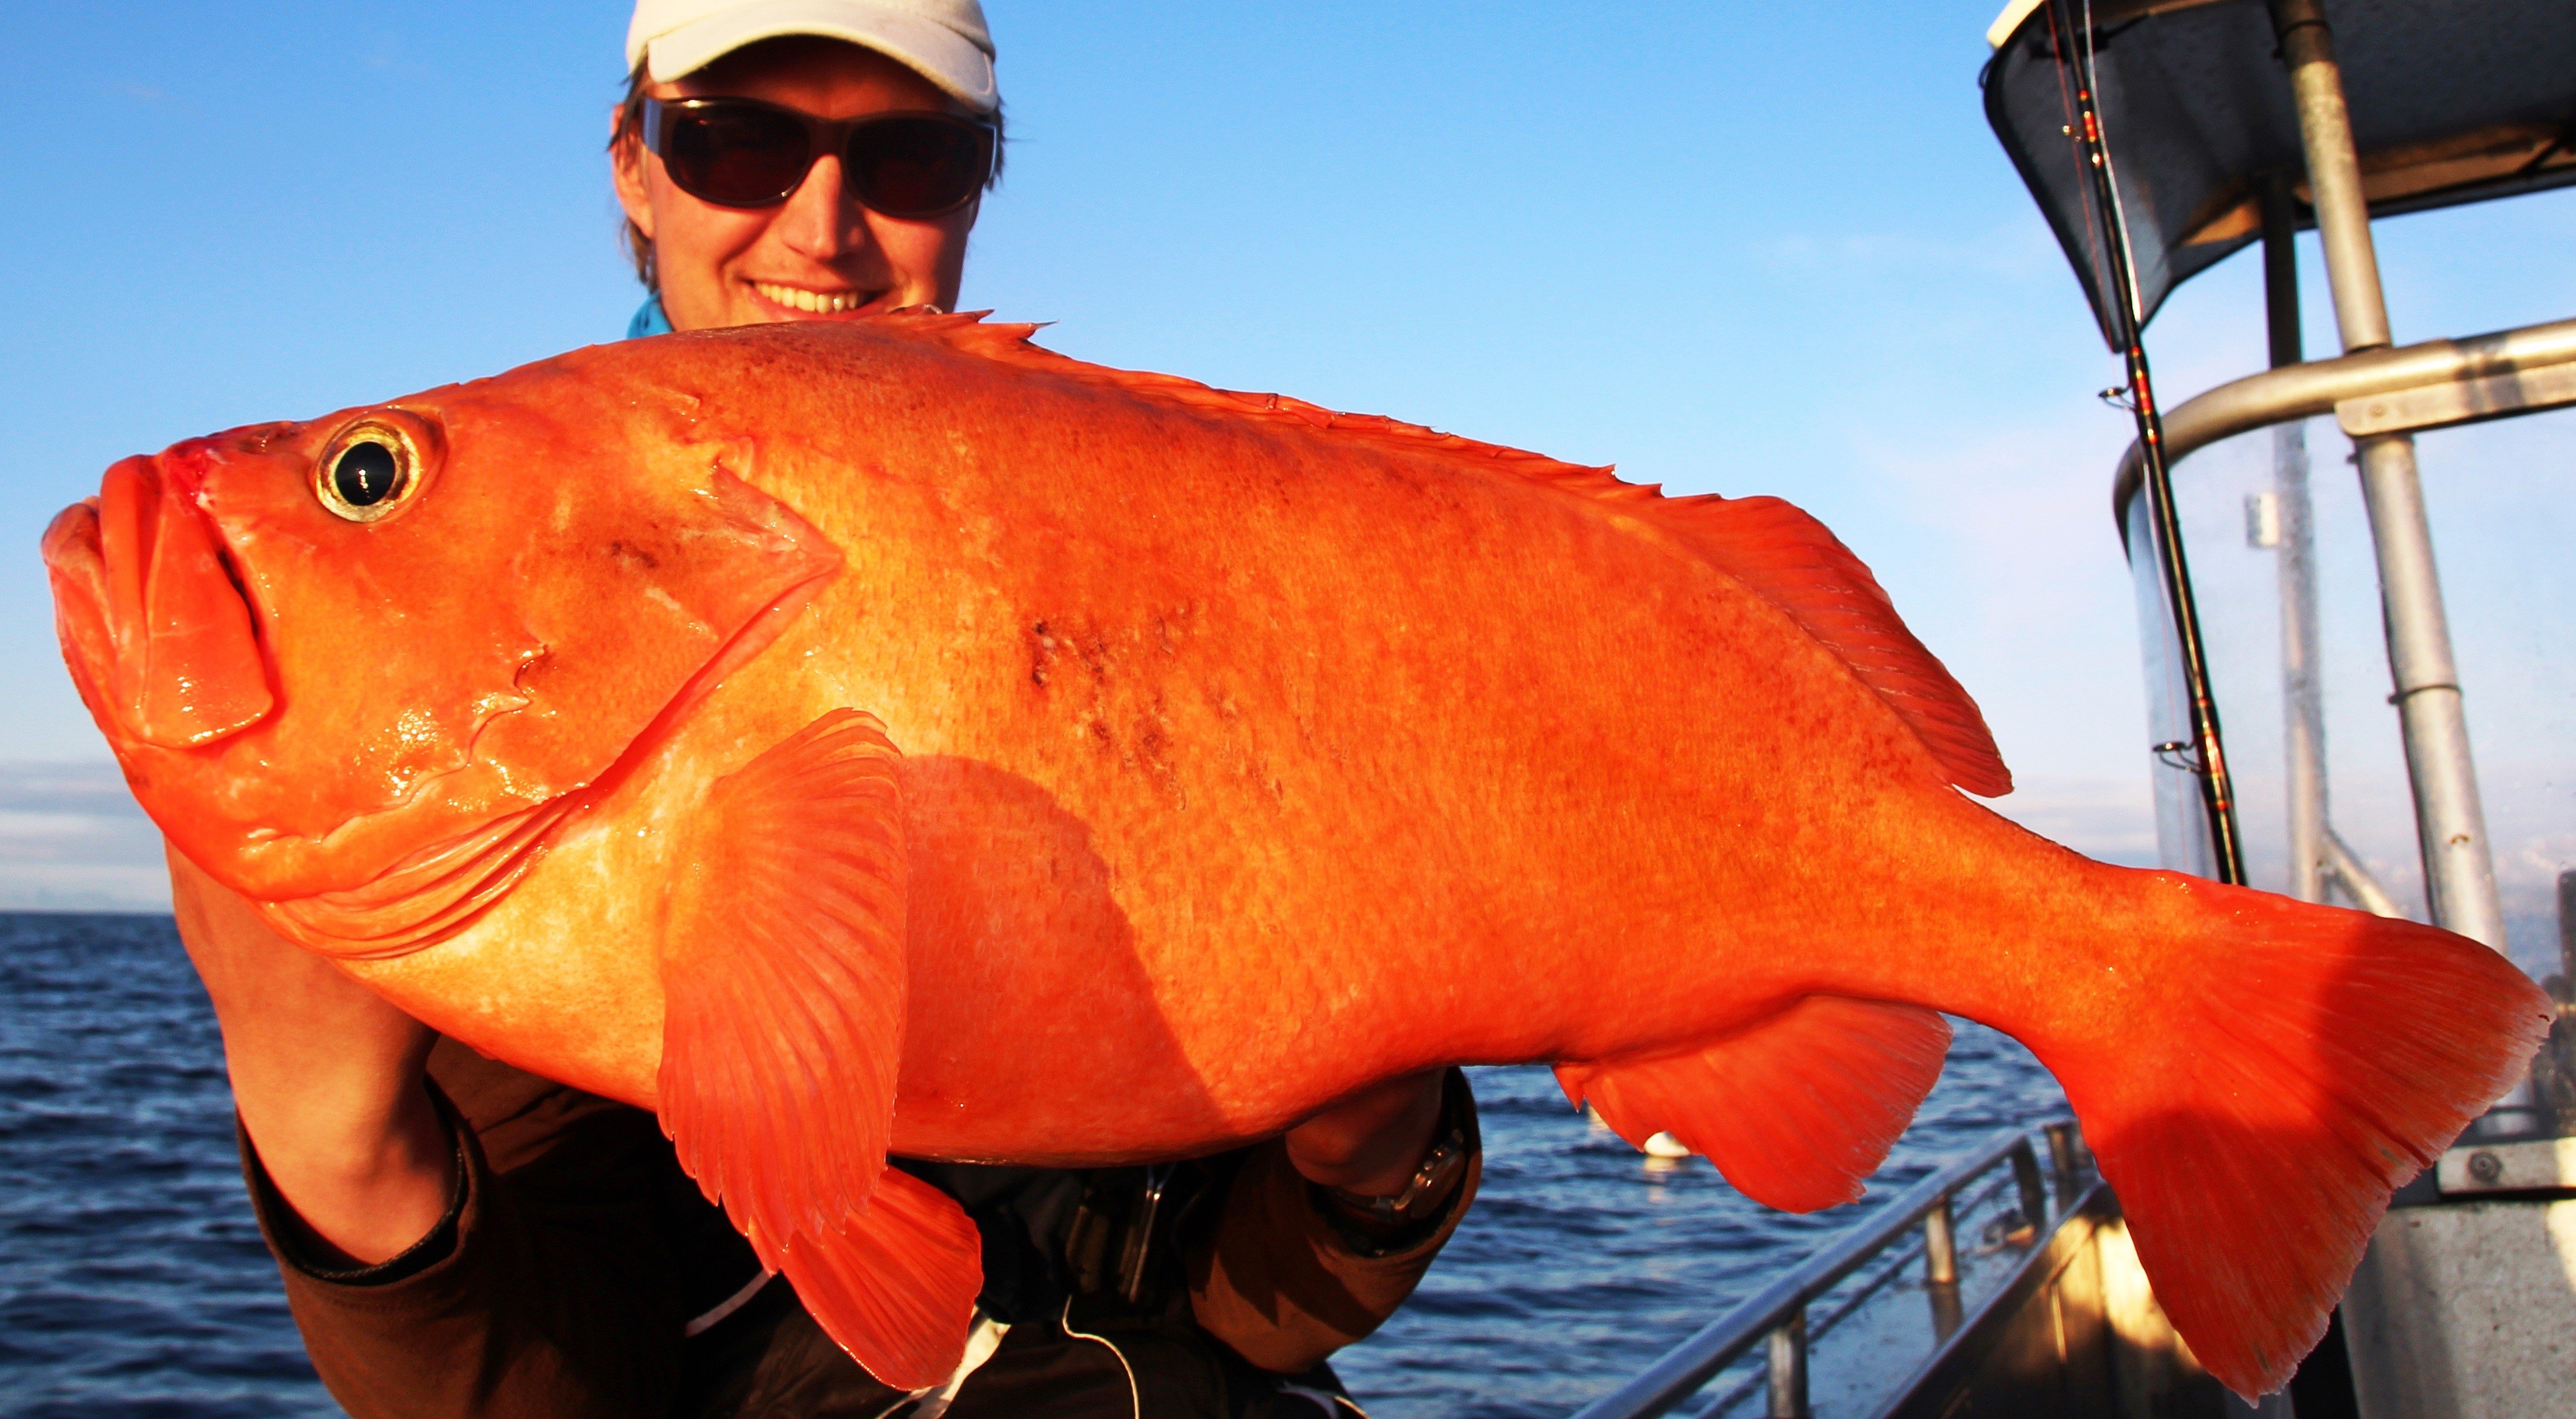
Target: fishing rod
{"type": "Point", "coordinates": [2201, 755]}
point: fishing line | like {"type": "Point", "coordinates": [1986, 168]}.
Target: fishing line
{"type": "Point", "coordinates": [2094, 257]}
{"type": "Point", "coordinates": [2209, 759]}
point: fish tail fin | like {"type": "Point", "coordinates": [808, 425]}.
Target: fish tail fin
{"type": "Point", "coordinates": [2298, 1066]}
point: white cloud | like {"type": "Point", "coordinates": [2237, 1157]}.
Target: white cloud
{"type": "Point", "coordinates": [83, 887]}
{"type": "Point", "coordinates": [2108, 819]}
{"type": "Point", "coordinates": [72, 839]}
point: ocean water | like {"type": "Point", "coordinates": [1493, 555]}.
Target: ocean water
{"type": "Point", "coordinates": [133, 1281]}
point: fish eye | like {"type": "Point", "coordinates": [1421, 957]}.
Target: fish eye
{"type": "Point", "coordinates": [371, 471]}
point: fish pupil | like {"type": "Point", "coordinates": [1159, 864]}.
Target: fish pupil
{"type": "Point", "coordinates": [364, 476]}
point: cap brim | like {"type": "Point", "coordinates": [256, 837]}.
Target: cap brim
{"type": "Point", "coordinates": [934, 51]}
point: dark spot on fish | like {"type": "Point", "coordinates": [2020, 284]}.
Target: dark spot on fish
{"type": "Point", "coordinates": [1049, 642]}
{"type": "Point", "coordinates": [1100, 732]}
{"type": "Point", "coordinates": [633, 555]}
{"type": "Point", "coordinates": [1153, 754]}
{"type": "Point", "coordinates": [1042, 653]}
{"type": "Point", "coordinates": [1096, 656]}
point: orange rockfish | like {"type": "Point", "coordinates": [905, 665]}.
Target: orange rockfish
{"type": "Point", "coordinates": [894, 737]}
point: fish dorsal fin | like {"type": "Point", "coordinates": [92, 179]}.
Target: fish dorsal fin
{"type": "Point", "coordinates": [1798, 565]}
{"type": "Point", "coordinates": [1774, 549]}
{"type": "Point", "coordinates": [1796, 1110]}
{"type": "Point", "coordinates": [783, 975]}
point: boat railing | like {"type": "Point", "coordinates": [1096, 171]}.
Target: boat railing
{"type": "Point", "coordinates": [2404, 389]}
{"type": "Point", "coordinates": [1777, 1315]}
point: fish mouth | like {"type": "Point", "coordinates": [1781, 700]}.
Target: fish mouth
{"type": "Point", "coordinates": [154, 620]}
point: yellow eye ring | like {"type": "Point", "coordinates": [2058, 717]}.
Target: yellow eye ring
{"type": "Point", "coordinates": [371, 470]}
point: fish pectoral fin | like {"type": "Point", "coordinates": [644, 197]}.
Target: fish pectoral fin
{"type": "Point", "coordinates": [783, 981]}
{"type": "Point", "coordinates": [1796, 1110]}
{"type": "Point", "coordinates": [895, 1284]}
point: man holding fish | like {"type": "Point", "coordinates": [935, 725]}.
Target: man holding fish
{"type": "Point", "coordinates": [999, 757]}
{"type": "Point", "coordinates": [459, 1236]}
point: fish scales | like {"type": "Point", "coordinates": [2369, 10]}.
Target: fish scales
{"type": "Point", "coordinates": [893, 736]}
{"type": "Point", "coordinates": [1508, 711]}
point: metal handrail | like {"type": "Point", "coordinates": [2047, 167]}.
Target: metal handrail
{"type": "Point", "coordinates": [1778, 1312]}
{"type": "Point", "coordinates": [2304, 391]}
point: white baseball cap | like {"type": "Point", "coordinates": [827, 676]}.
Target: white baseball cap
{"type": "Point", "coordinates": [944, 41]}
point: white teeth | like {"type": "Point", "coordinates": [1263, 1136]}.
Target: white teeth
{"type": "Point", "coordinates": [812, 302]}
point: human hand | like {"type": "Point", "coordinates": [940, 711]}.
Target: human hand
{"type": "Point", "coordinates": [328, 1078]}
{"type": "Point", "coordinates": [1371, 1143]}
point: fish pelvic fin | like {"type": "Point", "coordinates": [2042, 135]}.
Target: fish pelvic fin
{"type": "Point", "coordinates": [2311, 1062]}
{"type": "Point", "coordinates": [783, 974]}
{"type": "Point", "coordinates": [885, 1284]}
{"type": "Point", "coordinates": [1796, 1110]}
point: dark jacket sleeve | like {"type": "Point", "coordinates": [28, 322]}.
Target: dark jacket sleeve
{"type": "Point", "coordinates": [550, 1289]}
{"type": "Point", "coordinates": [1283, 1285]}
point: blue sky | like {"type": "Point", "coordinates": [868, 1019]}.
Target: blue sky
{"type": "Point", "coordinates": [1730, 248]}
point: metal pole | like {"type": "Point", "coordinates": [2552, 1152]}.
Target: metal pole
{"type": "Point", "coordinates": [2450, 823]}
{"type": "Point", "coordinates": [2334, 172]}
{"type": "Point", "coordinates": [1941, 1269]}
{"type": "Point", "coordinates": [2302, 703]}
{"type": "Point", "coordinates": [2567, 927]}
{"type": "Point", "coordinates": [1940, 1245]}
{"type": "Point", "coordinates": [2356, 879]}
{"type": "Point", "coordinates": [2061, 1161]}
{"type": "Point", "coordinates": [1789, 1368]}
{"type": "Point", "coordinates": [2034, 1193]}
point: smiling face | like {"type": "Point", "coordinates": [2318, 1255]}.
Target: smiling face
{"type": "Point", "coordinates": [819, 255]}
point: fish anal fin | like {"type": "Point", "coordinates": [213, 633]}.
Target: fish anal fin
{"type": "Point", "coordinates": [894, 1285]}
{"type": "Point", "coordinates": [1796, 1110]}
{"type": "Point", "coordinates": [784, 976]}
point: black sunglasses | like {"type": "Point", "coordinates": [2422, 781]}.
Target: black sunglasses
{"type": "Point", "coordinates": [745, 153]}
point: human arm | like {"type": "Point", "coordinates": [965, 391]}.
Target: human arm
{"type": "Point", "coordinates": [1371, 1144]}
{"type": "Point", "coordinates": [1285, 1275]}
{"type": "Point", "coordinates": [560, 1284]}
{"type": "Point", "coordinates": [547, 1266]}
{"type": "Point", "coordinates": [328, 1081]}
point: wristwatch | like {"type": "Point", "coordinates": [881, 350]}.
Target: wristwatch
{"type": "Point", "coordinates": [1423, 1194]}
